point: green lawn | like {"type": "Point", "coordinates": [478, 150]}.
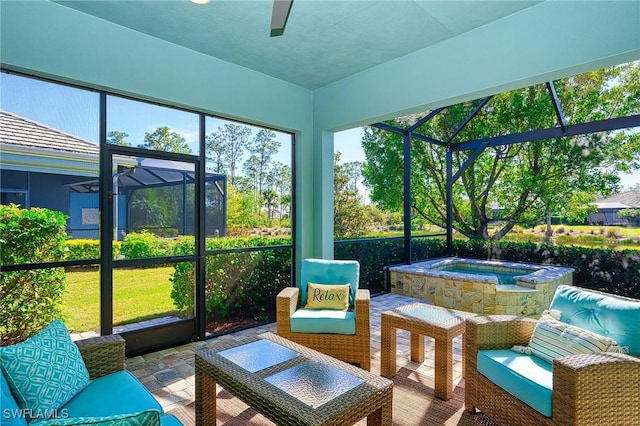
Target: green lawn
{"type": "Point", "coordinates": [139, 294]}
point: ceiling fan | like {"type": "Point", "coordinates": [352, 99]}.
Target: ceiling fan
{"type": "Point", "coordinates": [279, 16]}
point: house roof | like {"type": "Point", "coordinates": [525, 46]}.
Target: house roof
{"type": "Point", "coordinates": [621, 200]}
{"type": "Point", "coordinates": [19, 131]}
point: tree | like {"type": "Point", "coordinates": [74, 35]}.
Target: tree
{"type": "Point", "coordinates": [279, 178]}
{"type": "Point", "coordinates": [354, 171]}
{"type": "Point", "coordinates": [262, 149]}
{"type": "Point", "coordinates": [349, 218]}
{"type": "Point", "coordinates": [116, 137]}
{"type": "Point", "coordinates": [230, 141]}
{"type": "Point", "coordinates": [241, 210]}
{"type": "Point", "coordinates": [270, 198]}
{"type": "Point", "coordinates": [524, 180]}
{"type": "Point", "coordinates": [163, 139]}
{"type": "Point", "coordinates": [632, 215]}
{"type": "Point", "coordinates": [216, 151]}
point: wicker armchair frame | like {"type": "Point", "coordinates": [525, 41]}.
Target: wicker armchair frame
{"type": "Point", "coordinates": [353, 348]}
{"type": "Point", "coordinates": [102, 355]}
{"type": "Point", "coordinates": [588, 389]}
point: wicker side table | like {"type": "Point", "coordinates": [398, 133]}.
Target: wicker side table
{"type": "Point", "coordinates": [424, 320]}
{"type": "Point", "coordinates": [290, 384]}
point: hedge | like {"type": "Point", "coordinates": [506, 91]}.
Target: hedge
{"type": "Point", "coordinates": [87, 249]}
{"type": "Point", "coordinates": [237, 283]}
{"type": "Point", "coordinates": [30, 299]}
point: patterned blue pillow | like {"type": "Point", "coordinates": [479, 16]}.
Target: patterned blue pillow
{"type": "Point", "coordinates": [143, 418]}
{"type": "Point", "coordinates": [45, 371]}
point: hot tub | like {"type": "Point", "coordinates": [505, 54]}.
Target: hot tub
{"type": "Point", "coordinates": [481, 286]}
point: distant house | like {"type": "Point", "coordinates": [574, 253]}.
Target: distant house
{"type": "Point", "coordinates": [608, 208]}
{"type": "Point", "coordinates": [44, 167]}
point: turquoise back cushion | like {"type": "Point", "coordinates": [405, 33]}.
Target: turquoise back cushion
{"type": "Point", "coordinates": [322, 271]}
{"type": "Point", "coordinates": [45, 371]}
{"type": "Point", "coordinates": [607, 315]}
{"type": "Point", "coordinates": [11, 414]}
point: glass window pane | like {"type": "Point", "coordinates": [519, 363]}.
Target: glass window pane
{"type": "Point", "coordinates": [255, 163]}
{"type": "Point", "coordinates": [145, 125]}
{"type": "Point", "coordinates": [144, 297]}
{"type": "Point", "coordinates": [155, 205]}
{"type": "Point", "coordinates": [241, 287]}
{"type": "Point", "coordinates": [81, 302]}
{"type": "Point", "coordinates": [49, 135]}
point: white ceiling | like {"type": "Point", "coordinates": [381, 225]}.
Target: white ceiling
{"type": "Point", "coordinates": [324, 41]}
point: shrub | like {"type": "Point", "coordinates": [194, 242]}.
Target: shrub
{"type": "Point", "coordinates": [613, 233]}
{"type": "Point", "coordinates": [236, 283]}
{"type": "Point", "coordinates": [138, 245]}
{"type": "Point", "coordinates": [30, 299]}
{"type": "Point", "coordinates": [560, 230]}
{"type": "Point", "coordinates": [87, 249]}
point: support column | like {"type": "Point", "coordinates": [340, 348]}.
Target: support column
{"type": "Point", "coordinates": [449, 201]}
{"type": "Point", "coordinates": [406, 139]}
{"type": "Point", "coordinates": [322, 189]}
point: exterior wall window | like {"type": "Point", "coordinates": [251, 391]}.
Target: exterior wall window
{"type": "Point", "coordinates": [171, 187]}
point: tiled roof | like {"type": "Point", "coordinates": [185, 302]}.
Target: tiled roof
{"type": "Point", "coordinates": [628, 198]}
{"type": "Point", "coordinates": [20, 131]}
{"type": "Point", "coordinates": [609, 205]}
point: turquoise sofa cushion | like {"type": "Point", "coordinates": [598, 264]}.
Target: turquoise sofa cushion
{"type": "Point", "coordinates": [143, 418]}
{"type": "Point", "coordinates": [170, 420]}
{"type": "Point", "coordinates": [11, 414]}
{"type": "Point", "coordinates": [116, 393]}
{"type": "Point", "coordinates": [618, 319]}
{"type": "Point", "coordinates": [45, 371]}
{"type": "Point", "coordinates": [323, 271]}
{"type": "Point", "coordinates": [323, 321]}
{"type": "Point", "coordinates": [528, 378]}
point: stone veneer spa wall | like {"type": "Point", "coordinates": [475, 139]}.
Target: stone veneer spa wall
{"type": "Point", "coordinates": [481, 286]}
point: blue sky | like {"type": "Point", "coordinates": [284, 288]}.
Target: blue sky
{"type": "Point", "coordinates": [76, 111]}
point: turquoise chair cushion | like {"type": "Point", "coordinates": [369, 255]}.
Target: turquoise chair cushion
{"type": "Point", "coordinates": [322, 271]}
{"type": "Point", "coordinates": [608, 316]}
{"type": "Point", "coordinates": [11, 414]}
{"type": "Point", "coordinates": [323, 321]}
{"type": "Point", "coordinates": [113, 394]}
{"type": "Point", "coordinates": [528, 378]}
{"type": "Point", "coordinates": [45, 371]}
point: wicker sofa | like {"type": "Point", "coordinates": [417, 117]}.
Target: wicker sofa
{"type": "Point", "coordinates": [583, 389]}
{"type": "Point", "coordinates": [113, 396]}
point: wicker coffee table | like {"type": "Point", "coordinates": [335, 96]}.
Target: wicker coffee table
{"type": "Point", "coordinates": [424, 320]}
{"type": "Point", "coordinates": [290, 384]}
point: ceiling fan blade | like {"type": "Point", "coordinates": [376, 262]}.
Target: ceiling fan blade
{"type": "Point", "coordinates": [279, 16]}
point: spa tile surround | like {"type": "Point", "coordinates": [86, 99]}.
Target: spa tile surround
{"type": "Point", "coordinates": [529, 295]}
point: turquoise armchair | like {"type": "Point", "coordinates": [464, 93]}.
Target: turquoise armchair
{"type": "Point", "coordinates": [343, 334]}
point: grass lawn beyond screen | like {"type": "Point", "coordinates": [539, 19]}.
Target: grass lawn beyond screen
{"type": "Point", "coordinates": [139, 294]}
